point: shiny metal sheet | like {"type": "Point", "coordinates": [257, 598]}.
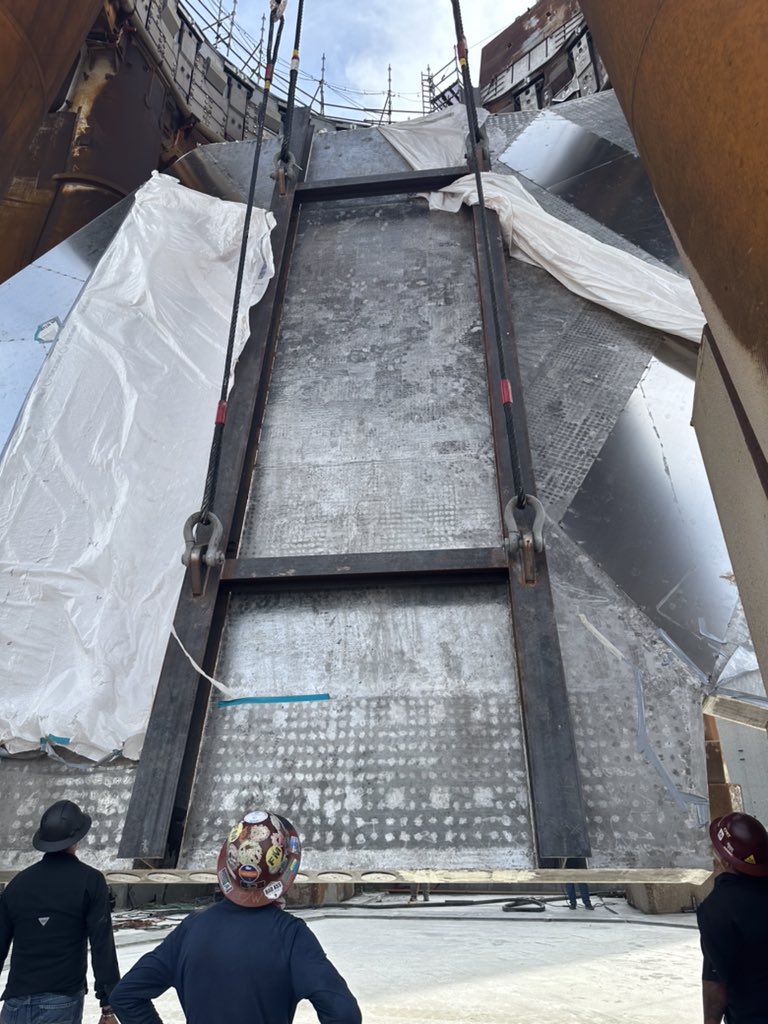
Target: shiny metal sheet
{"type": "Point", "coordinates": [44, 293]}
{"type": "Point", "coordinates": [377, 433]}
{"type": "Point", "coordinates": [417, 758]}
{"type": "Point", "coordinates": [646, 514]}
{"type": "Point", "coordinates": [596, 176]}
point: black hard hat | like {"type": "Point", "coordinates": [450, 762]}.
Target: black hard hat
{"type": "Point", "coordinates": [61, 826]}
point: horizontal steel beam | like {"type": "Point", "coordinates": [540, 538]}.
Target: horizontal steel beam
{"type": "Point", "coordinates": [435, 876]}
{"type": "Point", "coordinates": [391, 568]}
{"type": "Point", "coordinates": [378, 184]}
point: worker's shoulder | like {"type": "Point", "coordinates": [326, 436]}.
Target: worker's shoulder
{"type": "Point", "coordinates": [269, 919]}
{"type": "Point", "coordinates": [23, 878]}
{"type": "Point", "coordinates": [88, 873]}
{"type": "Point", "coordinates": [734, 895]}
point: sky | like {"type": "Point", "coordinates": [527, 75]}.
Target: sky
{"type": "Point", "coordinates": [360, 39]}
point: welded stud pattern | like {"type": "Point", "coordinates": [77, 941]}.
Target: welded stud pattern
{"type": "Point", "coordinates": [416, 760]}
{"type": "Point", "coordinates": [377, 434]}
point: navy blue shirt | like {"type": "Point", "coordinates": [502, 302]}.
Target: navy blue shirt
{"type": "Point", "coordinates": [733, 923]}
{"type": "Point", "coordinates": [237, 963]}
{"type": "Point", "coordinates": [49, 912]}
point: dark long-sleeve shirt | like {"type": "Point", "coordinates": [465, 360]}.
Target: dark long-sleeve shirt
{"type": "Point", "coordinates": [230, 962]}
{"type": "Point", "coordinates": [733, 922]}
{"type": "Point", "coordinates": [50, 911]}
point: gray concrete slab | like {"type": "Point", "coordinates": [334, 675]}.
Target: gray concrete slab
{"type": "Point", "coordinates": [466, 965]}
{"type": "Point", "coordinates": [355, 152]}
{"type": "Point", "coordinates": [417, 758]}
{"type": "Point", "coordinates": [377, 433]}
{"type": "Point", "coordinates": [30, 784]}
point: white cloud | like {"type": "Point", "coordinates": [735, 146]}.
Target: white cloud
{"type": "Point", "coordinates": [360, 40]}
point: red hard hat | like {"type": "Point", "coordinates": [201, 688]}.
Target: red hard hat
{"type": "Point", "coordinates": [741, 841]}
{"type": "Point", "coordinates": [259, 860]}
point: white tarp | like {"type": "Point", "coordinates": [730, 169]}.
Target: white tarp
{"type": "Point", "coordinates": [596, 271]}
{"type": "Point", "coordinates": [437, 140]}
{"type": "Point", "coordinates": [108, 460]}
{"type": "Point", "coordinates": [601, 273]}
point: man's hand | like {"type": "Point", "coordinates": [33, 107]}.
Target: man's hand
{"type": "Point", "coordinates": [107, 1016]}
{"type": "Point", "coordinates": [715, 1001]}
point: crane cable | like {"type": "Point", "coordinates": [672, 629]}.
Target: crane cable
{"type": "Point", "coordinates": [215, 550]}
{"type": "Point", "coordinates": [476, 140]}
{"type": "Point", "coordinates": [285, 155]}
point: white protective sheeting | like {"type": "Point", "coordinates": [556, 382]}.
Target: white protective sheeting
{"type": "Point", "coordinates": [601, 273]}
{"type": "Point", "coordinates": [596, 271]}
{"type": "Point", "coordinates": [437, 140]}
{"type": "Point", "coordinates": [108, 460]}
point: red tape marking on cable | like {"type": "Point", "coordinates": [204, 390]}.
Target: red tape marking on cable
{"type": "Point", "coordinates": [506, 392]}
{"type": "Point", "coordinates": [221, 413]}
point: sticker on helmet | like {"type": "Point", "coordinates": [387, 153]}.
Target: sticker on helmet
{"type": "Point", "coordinates": [235, 831]}
{"type": "Point", "coordinates": [273, 890]}
{"type": "Point", "coordinates": [750, 859]}
{"type": "Point", "coordinates": [259, 833]}
{"type": "Point", "coordinates": [274, 858]}
{"type": "Point", "coordinates": [255, 817]}
{"type": "Point", "coordinates": [293, 866]}
{"type": "Point", "coordinates": [232, 861]}
{"type": "Point", "coordinates": [293, 844]}
{"type": "Point", "coordinates": [249, 875]}
{"type": "Point", "coordinates": [249, 852]}
{"type": "Point", "coordinates": [224, 882]}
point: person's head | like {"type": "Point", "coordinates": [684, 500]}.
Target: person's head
{"type": "Point", "coordinates": [259, 860]}
{"type": "Point", "coordinates": [62, 827]}
{"type": "Point", "coordinates": [741, 844]}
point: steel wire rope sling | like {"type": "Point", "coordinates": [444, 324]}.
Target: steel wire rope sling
{"type": "Point", "coordinates": [211, 552]}
{"type": "Point", "coordinates": [284, 162]}
{"type": "Point", "coordinates": [522, 499]}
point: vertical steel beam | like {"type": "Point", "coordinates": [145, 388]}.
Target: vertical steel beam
{"type": "Point", "coordinates": [161, 792]}
{"type": "Point", "coordinates": [559, 819]}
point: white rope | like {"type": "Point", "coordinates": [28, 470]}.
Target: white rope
{"type": "Point", "coordinates": [214, 682]}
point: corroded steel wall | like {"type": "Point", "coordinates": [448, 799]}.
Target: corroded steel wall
{"type": "Point", "coordinates": [692, 80]}
{"type": "Point", "coordinates": [533, 27]}
{"type": "Point", "coordinates": [39, 42]}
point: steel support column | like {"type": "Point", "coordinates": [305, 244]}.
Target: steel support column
{"type": "Point", "coordinates": [160, 798]}
{"type": "Point", "coordinates": [559, 819]}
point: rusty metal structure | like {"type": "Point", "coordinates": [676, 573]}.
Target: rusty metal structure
{"type": "Point", "coordinates": [38, 44]}
{"type": "Point", "coordinates": [128, 88]}
{"type": "Point", "coordinates": [706, 161]}
{"type": "Point", "coordinates": [545, 56]}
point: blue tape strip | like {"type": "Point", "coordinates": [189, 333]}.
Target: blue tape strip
{"type": "Point", "coordinates": [272, 700]}
{"type": "Point", "coordinates": [62, 740]}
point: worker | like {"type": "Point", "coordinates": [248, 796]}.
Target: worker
{"type": "Point", "coordinates": [419, 889]}
{"type": "Point", "coordinates": [49, 912]}
{"type": "Point", "coordinates": [244, 957]}
{"type": "Point", "coordinates": [733, 924]}
{"type": "Point", "coordinates": [570, 887]}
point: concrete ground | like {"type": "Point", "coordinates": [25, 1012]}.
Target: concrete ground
{"type": "Point", "coordinates": [444, 965]}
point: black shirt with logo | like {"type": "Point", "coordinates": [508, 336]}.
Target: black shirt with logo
{"type": "Point", "coordinates": [50, 911]}
{"type": "Point", "coordinates": [733, 922]}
